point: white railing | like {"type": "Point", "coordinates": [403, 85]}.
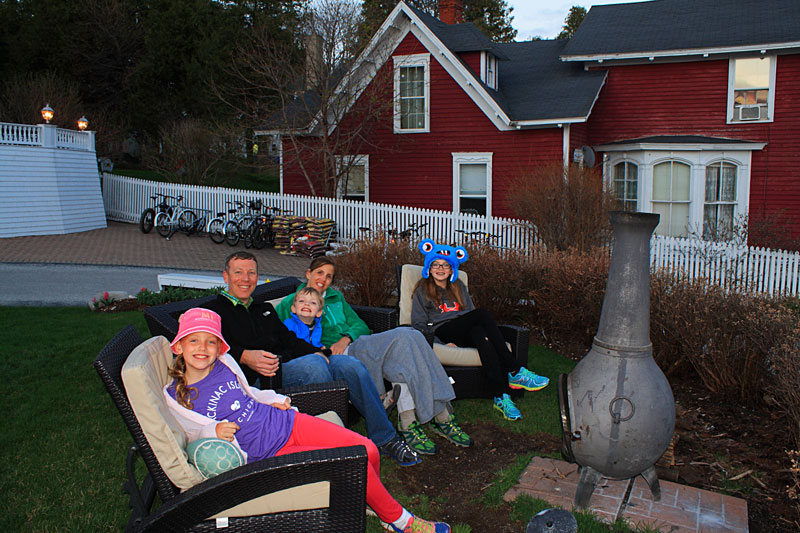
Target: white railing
{"type": "Point", "coordinates": [47, 136]}
{"type": "Point", "coordinates": [24, 134]}
{"type": "Point", "coordinates": [740, 268]}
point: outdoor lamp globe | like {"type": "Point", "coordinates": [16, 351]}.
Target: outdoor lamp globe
{"type": "Point", "coordinates": [83, 123]}
{"type": "Point", "coordinates": [47, 113]}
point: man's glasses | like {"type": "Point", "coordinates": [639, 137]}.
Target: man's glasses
{"type": "Point", "coordinates": [440, 266]}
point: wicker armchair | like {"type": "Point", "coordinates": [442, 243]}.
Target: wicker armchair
{"type": "Point", "coordinates": [461, 364]}
{"type": "Point", "coordinates": [342, 470]}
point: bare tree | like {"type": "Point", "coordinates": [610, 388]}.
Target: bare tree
{"type": "Point", "coordinates": [313, 90]}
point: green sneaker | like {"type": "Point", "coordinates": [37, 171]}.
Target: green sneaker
{"type": "Point", "coordinates": [452, 432]}
{"type": "Point", "coordinates": [416, 438]}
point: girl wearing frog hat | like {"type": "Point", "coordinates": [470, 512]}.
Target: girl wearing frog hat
{"type": "Point", "coordinates": [210, 397]}
{"type": "Point", "coordinates": [441, 304]}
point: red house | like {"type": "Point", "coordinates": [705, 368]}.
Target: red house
{"type": "Point", "coordinates": [691, 107]}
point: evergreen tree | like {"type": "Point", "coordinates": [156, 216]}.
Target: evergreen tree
{"type": "Point", "coordinates": [572, 21]}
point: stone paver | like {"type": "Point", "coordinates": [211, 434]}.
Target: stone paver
{"type": "Point", "coordinates": [681, 509]}
{"type": "Point", "coordinates": [124, 244]}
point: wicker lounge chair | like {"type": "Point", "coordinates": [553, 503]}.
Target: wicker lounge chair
{"type": "Point", "coordinates": [268, 495]}
{"type": "Point", "coordinates": [461, 364]}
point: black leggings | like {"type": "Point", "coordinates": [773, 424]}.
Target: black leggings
{"type": "Point", "coordinates": [477, 329]}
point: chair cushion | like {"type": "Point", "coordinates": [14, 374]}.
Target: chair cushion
{"type": "Point", "coordinates": [144, 375]}
{"type": "Point", "coordinates": [455, 356]}
{"type": "Point", "coordinates": [211, 457]}
{"type": "Point", "coordinates": [409, 277]}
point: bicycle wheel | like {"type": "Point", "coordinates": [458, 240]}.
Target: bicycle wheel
{"type": "Point", "coordinates": [163, 225]}
{"type": "Point", "coordinates": [232, 233]}
{"type": "Point", "coordinates": [260, 236]}
{"type": "Point", "coordinates": [147, 220]}
{"type": "Point", "coordinates": [186, 222]}
{"type": "Point", "coordinates": [216, 230]}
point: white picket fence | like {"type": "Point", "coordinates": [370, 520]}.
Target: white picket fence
{"type": "Point", "coordinates": [740, 268]}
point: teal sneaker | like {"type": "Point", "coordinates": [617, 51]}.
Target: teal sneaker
{"type": "Point", "coordinates": [525, 379]}
{"type": "Point", "coordinates": [506, 406]}
{"type": "Point", "coordinates": [452, 432]}
{"type": "Point", "coordinates": [416, 438]}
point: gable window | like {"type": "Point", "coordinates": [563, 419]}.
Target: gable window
{"type": "Point", "coordinates": [751, 89]}
{"type": "Point", "coordinates": [489, 69]}
{"type": "Point", "coordinates": [720, 203]}
{"type": "Point", "coordinates": [412, 93]}
{"type": "Point", "coordinates": [626, 185]}
{"type": "Point", "coordinates": [354, 181]}
{"type": "Point", "coordinates": [472, 183]}
{"type": "Point", "coordinates": [671, 198]}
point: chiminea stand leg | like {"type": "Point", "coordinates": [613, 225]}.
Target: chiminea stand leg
{"type": "Point", "coordinates": [650, 476]}
{"type": "Point", "coordinates": [587, 482]}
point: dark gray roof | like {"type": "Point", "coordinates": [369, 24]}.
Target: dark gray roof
{"type": "Point", "coordinates": [664, 25]}
{"type": "Point", "coordinates": [535, 85]}
{"type": "Point", "coordinates": [679, 139]}
{"type": "Point", "coordinates": [464, 37]}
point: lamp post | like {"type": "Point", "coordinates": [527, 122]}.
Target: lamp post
{"type": "Point", "coordinates": [47, 113]}
{"type": "Point", "coordinates": [83, 123]}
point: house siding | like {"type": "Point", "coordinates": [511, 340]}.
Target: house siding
{"type": "Point", "coordinates": [690, 98]}
{"type": "Point", "coordinates": [416, 169]}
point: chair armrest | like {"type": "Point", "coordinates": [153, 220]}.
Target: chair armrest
{"type": "Point", "coordinates": [345, 468]}
{"type": "Point", "coordinates": [378, 319]}
{"type": "Point", "coordinates": [519, 339]}
{"type": "Point", "coordinates": [318, 398]}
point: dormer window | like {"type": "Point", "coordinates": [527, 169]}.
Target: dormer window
{"type": "Point", "coordinates": [489, 69]}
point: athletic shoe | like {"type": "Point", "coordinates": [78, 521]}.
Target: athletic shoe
{"type": "Point", "coordinates": [398, 450]}
{"type": "Point", "coordinates": [418, 440]}
{"type": "Point", "coordinates": [525, 379]}
{"type": "Point", "coordinates": [506, 406]}
{"type": "Point", "coordinates": [418, 525]}
{"type": "Point", "coordinates": [390, 399]}
{"type": "Point", "coordinates": [451, 431]}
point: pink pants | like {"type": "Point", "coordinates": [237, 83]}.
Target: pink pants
{"type": "Point", "coordinates": [311, 433]}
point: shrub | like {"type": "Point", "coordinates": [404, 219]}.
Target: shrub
{"type": "Point", "coordinates": [366, 270]}
{"type": "Point", "coordinates": [568, 295]}
{"type": "Point", "coordinates": [173, 294]}
{"type": "Point", "coordinates": [730, 340]}
{"type": "Point", "coordinates": [565, 210]}
{"type": "Point", "coordinates": [784, 385]}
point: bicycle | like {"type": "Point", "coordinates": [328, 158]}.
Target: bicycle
{"type": "Point", "coordinates": [243, 225]}
{"type": "Point", "coordinates": [147, 220]}
{"type": "Point", "coordinates": [182, 218]}
{"type": "Point", "coordinates": [216, 226]}
{"type": "Point", "coordinates": [482, 237]}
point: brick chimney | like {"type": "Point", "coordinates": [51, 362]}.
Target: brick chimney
{"type": "Point", "coordinates": [451, 11]}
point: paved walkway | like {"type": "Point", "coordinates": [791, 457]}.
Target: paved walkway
{"type": "Point", "coordinates": [681, 509]}
{"type": "Point", "coordinates": [124, 245]}
{"type": "Point", "coordinates": [71, 269]}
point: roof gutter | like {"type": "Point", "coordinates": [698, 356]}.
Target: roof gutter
{"type": "Point", "coordinates": [705, 52]}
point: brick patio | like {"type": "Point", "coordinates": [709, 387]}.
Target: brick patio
{"type": "Point", "coordinates": [681, 509]}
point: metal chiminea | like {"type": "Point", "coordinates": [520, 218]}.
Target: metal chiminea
{"type": "Point", "coordinates": [617, 408]}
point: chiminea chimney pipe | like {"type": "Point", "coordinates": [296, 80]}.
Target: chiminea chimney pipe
{"type": "Point", "coordinates": [451, 11]}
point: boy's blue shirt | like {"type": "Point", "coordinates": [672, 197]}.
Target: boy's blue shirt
{"type": "Point", "coordinates": [303, 331]}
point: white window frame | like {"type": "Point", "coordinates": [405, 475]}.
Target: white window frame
{"type": "Point", "coordinates": [489, 69]}
{"type": "Point", "coordinates": [415, 60]}
{"type": "Point", "coordinates": [357, 160]}
{"type": "Point", "coordinates": [612, 179]}
{"type": "Point", "coordinates": [697, 159]}
{"type": "Point", "coordinates": [733, 117]}
{"type": "Point", "coordinates": [717, 203]}
{"type": "Point", "coordinates": [691, 202]}
{"type": "Point", "coordinates": [461, 158]}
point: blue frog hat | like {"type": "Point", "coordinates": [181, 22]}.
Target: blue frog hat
{"type": "Point", "coordinates": [433, 251]}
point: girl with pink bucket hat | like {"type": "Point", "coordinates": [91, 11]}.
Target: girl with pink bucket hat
{"type": "Point", "coordinates": [215, 400]}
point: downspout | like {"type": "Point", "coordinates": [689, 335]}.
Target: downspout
{"type": "Point", "coordinates": [565, 147]}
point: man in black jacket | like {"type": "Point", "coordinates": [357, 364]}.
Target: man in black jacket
{"type": "Point", "coordinates": [263, 346]}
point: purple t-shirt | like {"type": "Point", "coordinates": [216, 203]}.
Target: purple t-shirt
{"type": "Point", "coordinates": [264, 429]}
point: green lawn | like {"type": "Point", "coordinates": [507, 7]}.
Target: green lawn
{"type": "Point", "coordinates": [63, 450]}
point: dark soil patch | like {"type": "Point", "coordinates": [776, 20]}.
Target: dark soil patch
{"type": "Point", "coordinates": [459, 477]}
{"type": "Point", "coordinates": [118, 306]}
